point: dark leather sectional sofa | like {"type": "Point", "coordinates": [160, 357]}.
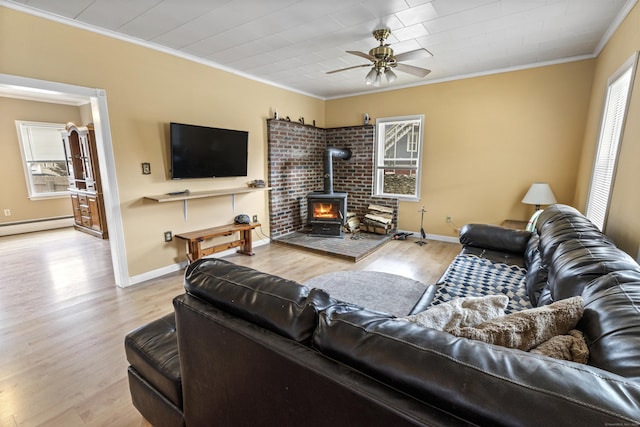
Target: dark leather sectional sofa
{"type": "Point", "coordinates": [245, 348]}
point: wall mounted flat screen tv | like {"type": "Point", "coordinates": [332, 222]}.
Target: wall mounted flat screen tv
{"type": "Point", "coordinates": [205, 152]}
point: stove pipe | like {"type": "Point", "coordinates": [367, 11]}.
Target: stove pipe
{"type": "Point", "coordinates": [344, 154]}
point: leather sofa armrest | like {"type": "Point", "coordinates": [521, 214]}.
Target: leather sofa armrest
{"type": "Point", "coordinates": [494, 237]}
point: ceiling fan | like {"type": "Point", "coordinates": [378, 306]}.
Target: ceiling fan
{"type": "Point", "coordinates": [383, 60]}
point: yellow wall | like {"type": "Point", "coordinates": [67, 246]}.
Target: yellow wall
{"type": "Point", "coordinates": [146, 90]}
{"type": "Point", "coordinates": [622, 224]}
{"type": "Point", "coordinates": [486, 140]}
{"type": "Point", "coordinates": [13, 191]}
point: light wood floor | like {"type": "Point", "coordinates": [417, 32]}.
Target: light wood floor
{"type": "Point", "coordinates": [63, 321]}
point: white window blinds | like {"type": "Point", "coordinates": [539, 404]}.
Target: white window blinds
{"type": "Point", "coordinates": [45, 163]}
{"type": "Point", "coordinates": [43, 144]}
{"type": "Point", "coordinates": [615, 108]}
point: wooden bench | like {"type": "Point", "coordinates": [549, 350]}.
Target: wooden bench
{"type": "Point", "coordinates": [195, 238]}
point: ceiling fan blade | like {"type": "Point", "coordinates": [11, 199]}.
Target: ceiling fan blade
{"type": "Point", "coordinates": [362, 55]}
{"type": "Point", "coordinates": [413, 54]}
{"type": "Point", "coordinates": [410, 69]}
{"type": "Point", "coordinates": [348, 68]}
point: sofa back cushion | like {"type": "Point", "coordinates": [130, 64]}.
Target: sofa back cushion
{"type": "Point", "coordinates": [558, 223]}
{"type": "Point", "coordinates": [611, 322]}
{"type": "Point", "coordinates": [576, 262]}
{"type": "Point", "coordinates": [279, 305]}
{"type": "Point", "coordinates": [483, 383]}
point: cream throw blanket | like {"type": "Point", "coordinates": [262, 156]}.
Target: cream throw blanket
{"type": "Point", "coordinates": [461, 312]}
{"type": "Point", "coordinates": [547, 330]}
{"type": "Point", "coordinates": [527, 329]}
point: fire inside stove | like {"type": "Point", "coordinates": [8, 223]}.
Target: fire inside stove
{"type": "Point", "coordinates": [326, 210]}
{"type": "Point", "coordinates": [326, 213]}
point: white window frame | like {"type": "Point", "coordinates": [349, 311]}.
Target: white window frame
{"type": "Point", "coordinates": [412, 142]}
{"type": "Point", "coordinates": [25, 138]}
{"type": "Point", "coordinates": [614, 116]}
{"type": "Point", "coordinates": [379, 167]}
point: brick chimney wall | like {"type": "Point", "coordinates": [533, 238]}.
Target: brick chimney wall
{"type": "Point", "coordinates": [295, 156]}
{"type": "Point", "coordinates": [355, 176]}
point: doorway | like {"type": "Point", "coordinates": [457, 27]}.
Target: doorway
{"type": "Point", "coordinates": [52, 91]}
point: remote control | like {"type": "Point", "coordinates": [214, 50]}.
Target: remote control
{"type": "Point", "coordinates": [177, 193]}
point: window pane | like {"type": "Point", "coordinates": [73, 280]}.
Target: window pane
{"type": "Point", "coordinates": [49, 177]}
{"type": "Point", "coordinates": [398, 181]}
{"type": "Point", "coordinates": [399, 146]}
{"type": "Point", "coordinates": [45, 159]}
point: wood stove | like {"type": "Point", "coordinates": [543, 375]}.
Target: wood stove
{"type": "Point", "coordinates": [326, 213]}
{"type": "Point", "coordinates": [327, 210]}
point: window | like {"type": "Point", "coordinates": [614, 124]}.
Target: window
{"type": "Point", "coordinates": [613, 119]}
{"type": "Point", "coordinates": [398, 157]}
{"type": "Point", "coordinates": [43, 153]}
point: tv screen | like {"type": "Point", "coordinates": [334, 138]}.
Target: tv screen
{"type": "Point", "coordinates": [205, 152]}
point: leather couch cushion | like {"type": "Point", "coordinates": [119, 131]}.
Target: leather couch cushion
{"type": "Point", "coordinates": [537, 273]}
{"type": "Point", "coordinates": [577, 262]}
{"type": "Point", "coordinates": [531, 252]}
{"type": "Point", "coordinates": [152, 350]}
{"type": "Point", "coordinates": [156, 409]}
{"type": "Point", "coordinates": [484, 384]}
{"type": "Point", "coordinates": [279, 305]}
{"type": "Point", "coordinates": [561, 222]}
{"type": "Point", "coordinates": [494, 237]}
{"type": "Point", "coordinates": [509, 258]}
{"type": "Point", "coordinates": [611, 323]}
{"type": "Point", "coordinates": [563, 217]}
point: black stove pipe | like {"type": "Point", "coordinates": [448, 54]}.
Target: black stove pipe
{"type": "Point", "coordinates": [341, 153]}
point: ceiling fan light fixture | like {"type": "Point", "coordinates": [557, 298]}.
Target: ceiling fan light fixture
{"type": "Point", "coordinates": [383, 60]}
{"type": "Point", "coordinates": [371, 76]}
{"type": "Point", "coordinates": [378, 79]}
{"type": "Point", "coordinates": [390, 75]}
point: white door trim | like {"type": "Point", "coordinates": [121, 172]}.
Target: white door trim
{"type": "Point", "coordinates": [98, 98]}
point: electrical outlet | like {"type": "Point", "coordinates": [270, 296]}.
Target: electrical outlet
{"type": "Point", "coordinates": [168, 236]}
{"type": "Point", "coordinates": [448, 219]}
{"type": "Point", "coordinates": [7, 212]}
{"type": "Point", "coordinates": [255, 218]}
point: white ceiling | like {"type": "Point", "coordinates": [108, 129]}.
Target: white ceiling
{"type": "Point", "coordinates": [293, 43]}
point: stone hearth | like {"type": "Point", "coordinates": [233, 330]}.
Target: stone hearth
{"type": "Point", "coordinates": [352, 247]}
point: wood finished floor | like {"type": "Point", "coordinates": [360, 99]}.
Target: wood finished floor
{"type": "Point", "coordinates": [63, 321]}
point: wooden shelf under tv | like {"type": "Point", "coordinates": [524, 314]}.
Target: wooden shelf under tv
{"type": "Point", "coordinates": [162, 198]}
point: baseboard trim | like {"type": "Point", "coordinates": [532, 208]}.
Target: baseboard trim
{"type": "Point", "coordinates": [20, 227]}
{"type": "Point", "coordinates": [443, 238]}
{"type": "Point", "coordinates": [154, 274]}
{"type": "Point", "coordinates": [437, 237]}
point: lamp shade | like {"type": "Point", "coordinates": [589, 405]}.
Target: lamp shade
{"type": "Point", "coordinates": [390, 75]}
{"type": "Point", "coordinates": [378, 79]}
{"type": "Point", "coordinates": [371, 76]}
{"type": "Point", "coordinates": [539, 194]}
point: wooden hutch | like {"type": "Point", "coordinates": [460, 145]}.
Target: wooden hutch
{"type": "Point", "coordinates": [84, 180]}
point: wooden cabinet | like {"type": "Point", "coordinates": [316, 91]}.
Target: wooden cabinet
{"type": "Point", "coordinates": [84, 180]}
